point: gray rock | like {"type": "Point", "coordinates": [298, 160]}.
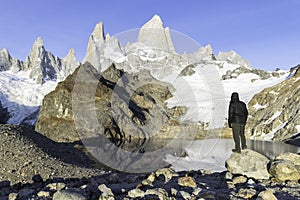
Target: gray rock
{"type": "Point", "coordinates": [186, 195]}
{"type": "Point", "coordinates": [187, 181]}
{"type": "Point", "coordinates": [43, 194]}
{"type": "Point", "coordinates": [239, 180]}
{"type": "Point", "coordinates": [248, 163]}
{"type": "Point", "coordinates": [266, 195]}
{"type": "Point", "coordinates": [284, 170]}
{"type": "Point", "coordinates": [136, 193]}
{"type": "Point", "coordinates": [160, 192]}
{"type": "Point", "coordinates": [68, 195]}
{"type": "Point", "coordinates": [246, 193]}
{"type": "Point", "coordinates": [168, 173]}
{"type": "Point", "coordinates": [13, 196]}
{"type": "Point", "coordinates": [106, 192]}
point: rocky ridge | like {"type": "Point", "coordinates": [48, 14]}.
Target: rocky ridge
{"type": "Point", "coordinates": [274, 112]}
{"type": "Point", "coordinates": [41, 64]}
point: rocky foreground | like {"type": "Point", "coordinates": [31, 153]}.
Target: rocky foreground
{"type": "Point", "coordinates": [34, 167]}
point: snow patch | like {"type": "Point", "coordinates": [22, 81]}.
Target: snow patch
{"type": "Point", "coordinates": [275, 115]}
{"type": "Point", "coordinates": [257, 106]}
{"type": "Point", "coordinates": [270, 136]}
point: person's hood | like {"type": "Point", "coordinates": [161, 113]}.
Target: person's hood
{"type": "Point", "coordinates": [234, 96]}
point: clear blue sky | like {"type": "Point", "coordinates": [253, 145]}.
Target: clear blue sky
{"type": "Point", "coordinates": [265, 32]}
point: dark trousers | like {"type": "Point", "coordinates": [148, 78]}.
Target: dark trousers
{"type": "Point", "coordinates": [238, 131]}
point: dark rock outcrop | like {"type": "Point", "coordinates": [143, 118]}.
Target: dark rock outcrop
{"type": "Point", "coordinates": [4, 114]}
{"type": "Point", "coordinates": [125, 106]}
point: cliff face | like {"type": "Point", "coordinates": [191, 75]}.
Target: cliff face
{"type": "Point", "coordinates": [275, 112]}
{"type": "Point", "coordinates": [122, 108]}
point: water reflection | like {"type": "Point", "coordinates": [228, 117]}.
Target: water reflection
{"type": "Point", "coordinates": [150, 154]}
{"type": "Point", "coordinates": [211, 154]}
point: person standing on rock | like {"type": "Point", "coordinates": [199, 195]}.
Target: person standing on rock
{"type": "Point", "coordinates": [237, 118]}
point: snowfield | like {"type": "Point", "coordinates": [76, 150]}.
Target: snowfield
{"type": "Point", "coordinates": [22, 95]}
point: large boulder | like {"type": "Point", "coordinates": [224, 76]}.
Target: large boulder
{"type": "Point", "coordinates": [248, 163]}
{"type": "Point", "coordinates": [124, 106]}
{"type": "Point", "coordinates": [286, 167]}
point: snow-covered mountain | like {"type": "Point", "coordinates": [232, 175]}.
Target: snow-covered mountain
{"type": "Point", "coordinates": [203, 81]}
{"type": "Point", "coordinates": [24, 84]}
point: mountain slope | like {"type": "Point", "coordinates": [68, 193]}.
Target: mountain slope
{"type": "Point", "coordinates": [275, 112]}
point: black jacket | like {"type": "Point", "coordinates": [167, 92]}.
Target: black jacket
{"type": "Point", "coordinates": [238, 112]}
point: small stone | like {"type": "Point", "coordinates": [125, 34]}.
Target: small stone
{"type": "Point", "coordinates": [136, 193]}
{"type": "Point", "coordinates": [106, 192]}
{"type": "Point", "coordinates": [12, 196]}
{"type": "Point", "coordinates": [196, 191]}
{"type": "Point", "coordinates": [251, 182]}
{"type": "Point", "coordinates": [239, 180]}
{"type": "Point", "coordinates": [160, 192]}
{"type": "Point", "coordinates": [168, 173]}
{"type": "Point", "coordinates": [228, 176]}
{"type": "Point", "coordinates": [43, 194]}
{"type": "Point", "coordinates": [150, 179]}
{"type": "Point", "coordinates": [246, 193]}
{"type": "Point", "coordinates": [56, 186]}
{"type": "Point", "coordinates": [174, 191]}
{"type": "Point", "coordinates": [187, 181]}
{"type": "Point", "coordinates": [37, 178]}
{"type": "Point", "coordinates": [185, 195]}
{"type": "Point", "coordinates": [267, 195]}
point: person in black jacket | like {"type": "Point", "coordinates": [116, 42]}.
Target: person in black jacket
{"type": "Point", "coordinates": [237, 118]}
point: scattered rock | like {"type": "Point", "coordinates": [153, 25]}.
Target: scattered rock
{"type": "Point", "coordinates": [106, 192]}
{"type": "Point", "coordinates": [160, 192]}
{"type": "Point", "coordinates": [37, 178]}
{"type": "Point", "coordinates": [284, 170]}
{"type": "Point", "coordinates": [187, 181]}
{"type": "Point", "coordinates": [56, 186]}
{"type": "Point", "coordinates": [136, 193]}
{"type": "Point", "coordinates": [267, 195]}
{"type": "Point", "coordinates": [43, 194]}
{"type": "Point", "coordinates": [68, 195]}
{"type": "Point", "coordinates": [168, 173]}
{"type": "Point", "coordinates": [12, 196]}
{"type": "Point", "coordinates": [246, 193]}
{"type": "Point", "coordinates": [239, 179]}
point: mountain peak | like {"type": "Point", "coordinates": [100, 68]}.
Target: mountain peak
{"type": "Point", "coordinates": [98, 33]}
{"type": "Point", "coordinates": [4, 53]}
{"type": "Point", "coordinates": [39, 42]}
{"type": "Point", "coordinates": [155, 35]}
{"type": "Point", "coordinates": [154, 22]}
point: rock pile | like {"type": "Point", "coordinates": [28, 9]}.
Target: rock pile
{"type": "Point", "coordinates": [155, 185]}
{"type": "Point", "coordinates": [34, 167]}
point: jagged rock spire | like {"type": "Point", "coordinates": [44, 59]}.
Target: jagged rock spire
{"type": "Point", "coordinates": [94, 45]}
{"type": "Point", "coordinates": [155, 35]}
